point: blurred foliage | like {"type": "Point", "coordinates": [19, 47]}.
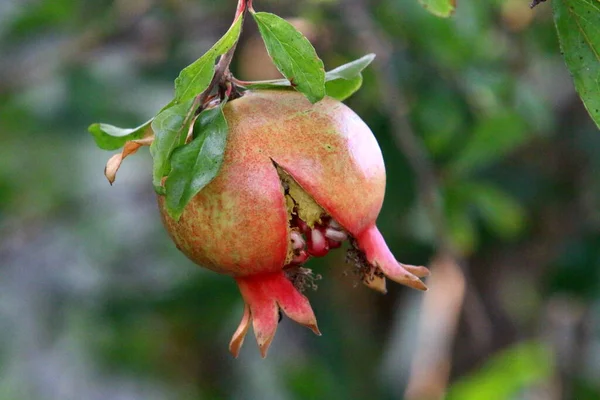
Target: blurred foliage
{"type": "Point", "coordinates": [505, 374]}
{"type": "Point", "coordinates": [441, 8]}
{"type": "Point", "coordinates": [96, 303]}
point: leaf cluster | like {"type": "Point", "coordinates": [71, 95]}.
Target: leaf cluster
{"type": "Point", "coordinates": [189, 135]}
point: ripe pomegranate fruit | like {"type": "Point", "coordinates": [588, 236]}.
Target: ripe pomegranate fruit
{"type": "Point", "coordinates": [297, 180]}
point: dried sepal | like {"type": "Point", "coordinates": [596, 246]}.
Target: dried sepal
{"type": "Point", "coordinates": [376, 283]}
{"type": "Point", "coordinates": [114, 163]}
{"type": "Point", "coordinates": [237, 340]}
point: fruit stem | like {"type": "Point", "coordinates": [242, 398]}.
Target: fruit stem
{"type": "Point", "coordinates": [222, 67]}
{"type": "Point", "coordinates": [240, 82]}
{"type": "Point", "coordinates": [243, 5]}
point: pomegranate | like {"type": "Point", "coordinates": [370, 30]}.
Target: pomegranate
{"type": "Point", "coordinates": [297, 180]}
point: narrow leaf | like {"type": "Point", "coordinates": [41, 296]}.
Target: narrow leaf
{"type": "Point", "coordinates": [578, 26]}
{"type": "Point", "coordinates": [340, 83]}
{"type": "Point", "coordinates": [501, 212]}
{"type": "Point", "coordinates": [441, 8]}
{"type": "Point", "coordinates": [341, 89]}
{"type": "Point", "coordinates": [293, 55]}
{"type": "Point", "coordinates": [109, 137]}
{"type": "Point", "coordinates": [196, 164]}
{"type": "Point", "coordinates": [462, 230]}
{"type": "Point", "coordinates": [345, 80]}
{"type": "Point", "coordinates": [350, 70]}
{"type": "Point", "coordinates": [195, 78]}
{"type": "Point", "coordinates": [170, 127]}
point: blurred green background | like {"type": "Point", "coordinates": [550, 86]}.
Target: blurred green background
{"type": "Point", "coordinates": [96, 302]}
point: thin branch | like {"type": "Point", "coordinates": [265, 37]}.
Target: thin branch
{"type": "Point", "coordinates": [222, 68]}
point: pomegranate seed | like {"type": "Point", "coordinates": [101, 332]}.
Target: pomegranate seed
{"type": "Point", "coordinates": [297, 240]}
{"type": "Point", "coordinates": [338, 236]}
{"type": "Point", "coordinates": [317, 243]}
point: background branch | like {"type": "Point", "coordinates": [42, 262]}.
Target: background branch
{"type": "Point", "coordinates": [442, 306]}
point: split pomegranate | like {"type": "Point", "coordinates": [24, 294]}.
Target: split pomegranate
{"type": "Point", "coordinates": [297, 180]}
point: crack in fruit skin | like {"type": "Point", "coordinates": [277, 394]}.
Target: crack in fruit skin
{"type": "Point", "coordinates": [297, 180]}
{"type": "Point", "coordinates": [307, 241]}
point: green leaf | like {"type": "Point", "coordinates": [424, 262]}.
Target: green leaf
{"type": "Point", "coordinates": [341, 82]}
{"type": "Point", "coordinates": [500, 211]}
{"type": "Point", "coordinates": [350, 70]}
{"type": "Point", "coordinates": [293, 55]}
{"type": "Point", "coordinates": [441, 8]}
{"type": "Point", "coordinates": [345, 80]}
{"type": "Point", "coordinates": [196, 164]}
{"type": "Point", "coordinates": [578, 26]}
{"type": "Point", "coordinates": [195, 78]}
{"type": "Point", "coordinates": [170, 128]}
{"type": "Point", "coordinates": [110, 137]}
{"type": "Point", "coordinates": [506, 374]}
{"type": "Point", "coordinates": [492, 139]}
{"type": "Point", "coordinates": [462, 230]}
{"type": "Point", "coordinates": [341, 89]}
